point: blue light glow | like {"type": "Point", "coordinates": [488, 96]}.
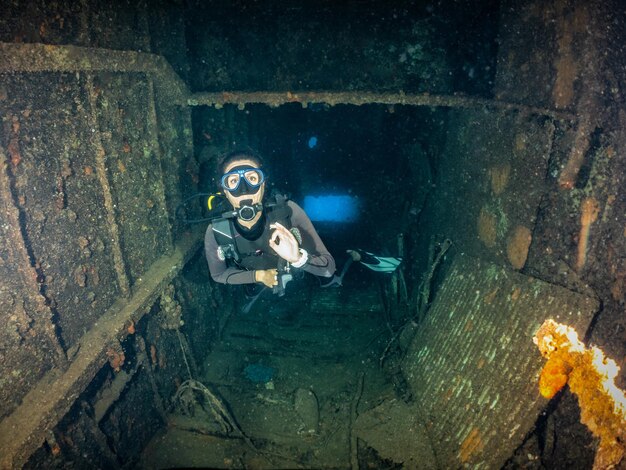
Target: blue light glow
{"type": "Point", "coordinates": [332, 208]}
{"type": "Point", "coordinates": [312, 142]}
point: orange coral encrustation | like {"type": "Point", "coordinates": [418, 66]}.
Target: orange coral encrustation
{"type": "Point", "coordinates": [116, 358]}
{"type": "Point", "coordinates": [487, 228]}
{"type": "Point", "coordinates": [591, 377]}
{"type": "Point", "coordinates": [499, 176]}
{"type": "Point", "coordinates": [518, 246]}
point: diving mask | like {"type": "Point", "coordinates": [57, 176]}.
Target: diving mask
{"type": "Point", "coordinates": [243, 180]}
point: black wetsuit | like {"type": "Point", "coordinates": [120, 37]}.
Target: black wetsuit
{"type": "Point", "coordinates": [256, 253]}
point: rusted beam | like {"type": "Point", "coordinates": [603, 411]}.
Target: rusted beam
{"type": "Point", "coordinates": [47, 58]}
{"type": "Point", "coordinates": [16, 58]}
{"type": "Point", "coordinates": [103, 178]}
{"type": "Point", "coordinates": [25, 429]}
{"type": "Point", "coordinates": [155, 144]}
{"type": "Point", "coordinates": [15, 242]}
{"type": "Point", "coordinates": [359, 98]}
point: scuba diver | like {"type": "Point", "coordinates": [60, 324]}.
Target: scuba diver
{"type": "Point", "coordinates": [263, 240]}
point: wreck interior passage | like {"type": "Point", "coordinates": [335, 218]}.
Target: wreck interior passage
{"type": "Point", "coordinates": [463, 163]}
{"type": "Point", "coordinates": [320, 152]}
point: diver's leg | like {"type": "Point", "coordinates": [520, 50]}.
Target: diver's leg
{"type": "Point", "coordinates": [338, 280]}
{"type": "Point", "coordinates": [246, 308]}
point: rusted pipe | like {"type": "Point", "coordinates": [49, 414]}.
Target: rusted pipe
{"type": "Point", "coordinates": [358, 98]}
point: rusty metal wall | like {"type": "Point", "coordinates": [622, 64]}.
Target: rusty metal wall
{"type": "Point", "coordinates": [83, 171]}
{"type": "Point", "coordinates": [124, 111]}
{"type": "Point", "coordinates": [473, 366]}
{"type": "Point", "coordinates": [57, 190]}
{"type": "Point", "coordinates": [570, 55]}
{"type": "Point", "coordinates": [491, 182]}
{"type": "Point", "coordinates": [91, 165]}
{"type": "Point", "coordinates": [28, 342]}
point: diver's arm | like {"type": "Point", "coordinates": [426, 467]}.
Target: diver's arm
{"type": "Point", "coordinates": [220, 272]}
{"type": "Point", "coordinates": [320, 262]}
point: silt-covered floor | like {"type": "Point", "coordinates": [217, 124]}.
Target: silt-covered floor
{"type": "Point", "coordinates": [294, 373]}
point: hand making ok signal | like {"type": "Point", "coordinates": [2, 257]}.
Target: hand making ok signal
{"type": "Point", "coordinates": [284, 243]}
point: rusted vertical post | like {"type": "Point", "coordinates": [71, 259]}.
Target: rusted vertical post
{"type": "Point", "coordinates": [24, 268]}
{"type": "Point", "coordinates": [153, 129]}
{"type": "Point", "coordinates": [103, 178]}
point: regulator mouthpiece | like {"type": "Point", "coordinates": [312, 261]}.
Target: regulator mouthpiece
{"type": "Point", "coordinates": [248, 211]}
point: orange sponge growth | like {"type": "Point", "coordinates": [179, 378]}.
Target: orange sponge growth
{"type": "Point", "coordinates": [591, 377]}
{"type": "Point", "coordinates": [553, 377]}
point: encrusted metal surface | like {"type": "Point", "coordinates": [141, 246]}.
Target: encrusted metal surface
{"type": "Point", "coordinates": [31, 58]}
{"type": "Point", "coordinates": [473, 366]}
{"type": "Point", "coordinates": [25, 429]}
{"type": "Point", "coordinates": [27, 327]}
